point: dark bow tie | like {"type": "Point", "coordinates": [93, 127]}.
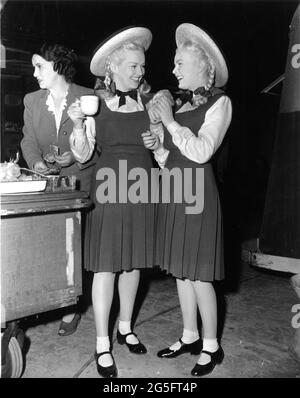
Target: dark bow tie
{"type": "Point", "coordinates": [203, 92]}
{"type": "Point", "coordinates": [123, 94]}
{"type": "Point", "coordinates": [187, 95]}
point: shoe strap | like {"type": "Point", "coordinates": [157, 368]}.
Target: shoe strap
{"type": "Point", "coordinates": [208, 352]}
{"type": "Point", "coordinates": [181, 344]}
{"type": "Point", "coordinates": [98, 355]}
{"type": "Point", "coordinates": [128, 334]}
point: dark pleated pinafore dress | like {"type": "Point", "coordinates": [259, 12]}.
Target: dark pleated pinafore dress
{"type": "Point", "coordinates": [190, 245]}
{"type": "Point", "coordinates": [120, 236]}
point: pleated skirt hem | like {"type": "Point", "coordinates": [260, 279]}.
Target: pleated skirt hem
{"type": "Point", "coordinates": [120, 237]}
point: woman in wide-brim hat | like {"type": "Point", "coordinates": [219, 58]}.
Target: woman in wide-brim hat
{"type": "Point", "coordinates": [189, 237]}
{"type": "Point", "coordinates": [121, 232]}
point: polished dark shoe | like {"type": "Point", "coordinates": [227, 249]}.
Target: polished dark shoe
{"type": "Point", "coordinates": [138, 348]}
{"type": "Point", "coordinates": [106, 371]}
{"type": "Point", "coordinates": [216, 358]}
{"type": "Point", "coordinates": [67, 328]}
{"type": "Point", "coordinates": [193, 348]}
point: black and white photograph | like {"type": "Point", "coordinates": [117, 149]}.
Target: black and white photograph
{"type": "Point", "coordinates": [150, 192]}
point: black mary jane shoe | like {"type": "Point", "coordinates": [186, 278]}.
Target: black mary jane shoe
{"type": "Point", "coordinates": [193, 348]}
{"type": "Point", "coordinates": [138, 348]}
{"type": "Point", "coordinates": [106, 371]}
{"type": "Point", "coordinates": [216, 358]}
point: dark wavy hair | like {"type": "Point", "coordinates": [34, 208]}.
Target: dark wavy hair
{"type": "Point", "coordinates": [62, 57]}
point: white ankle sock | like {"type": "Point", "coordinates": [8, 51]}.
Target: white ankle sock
{"type": "Point", "coordinates": [124, 328]}
{"type": "Point", "coordinates": [210, 345]}
{"type": "Point", "coordinates": [188, 337]}
{"type": "Point", "coordinates": [103, 344]}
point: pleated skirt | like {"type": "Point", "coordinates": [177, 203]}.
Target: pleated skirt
{"type": "Point", "coordinates": [191, 245]}
{"type": "Point", "coordinates": [120, 236]}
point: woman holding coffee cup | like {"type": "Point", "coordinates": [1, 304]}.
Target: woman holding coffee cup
{"type": "Point", "coordinates": [121, 233]}
{"type": "Point", "coordinates": [47, 127]}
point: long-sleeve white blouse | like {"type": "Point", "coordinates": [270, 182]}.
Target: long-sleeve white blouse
{"type": "Point", "coordinates": [198, 148]}
{"type": "Point", "coordinates": [82, 141]}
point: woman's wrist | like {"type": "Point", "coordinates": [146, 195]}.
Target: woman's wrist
{"type": "Point", "coordinates": [172, 126]}
{"type": "Point", "coordinates": [167, 122]}
{"type": "Point", "coordinates": [160, 149]}
{"type": "Point", "coordinates": [79, 131]}
{"type": "Point", "coordinates": [78, 126]}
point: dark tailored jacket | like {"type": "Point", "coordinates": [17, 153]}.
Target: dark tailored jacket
{"type": "Point", "coordinates": [40, 131]}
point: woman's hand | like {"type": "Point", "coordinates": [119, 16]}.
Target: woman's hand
{"type": "Point", "coordinates": [154, 115]}
{"type": "Point", "coordinates": [151, 140]}
{"type": "Point", "coordinates": [75, 114]}
{"type": "Point", "coordinates": [40, 167]}
{"type": "Point", "coordinates": [49, 157]}
{"type": "Point", "coordinates": [65, 160]}
{"type": "Point", "coordinates": [164, 110]}
{"type": "Point", "coordinates": [164, 94]}
{"type": "Point", "coordinates": [153, 112]}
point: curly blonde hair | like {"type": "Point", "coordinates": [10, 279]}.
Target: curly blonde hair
{"type": "Point", "coordinates": [106, 88]}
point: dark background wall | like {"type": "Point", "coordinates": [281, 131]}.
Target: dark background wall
{"type": "Point", "coordinates": [252, 34]}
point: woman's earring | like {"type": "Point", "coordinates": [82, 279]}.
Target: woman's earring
{"type": "Point", "coordinates": [107, 81]}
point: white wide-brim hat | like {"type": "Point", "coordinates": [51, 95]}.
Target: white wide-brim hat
{"type": "Point", "coordinates": [139, 35]}
{"type": "Point", "coordinates": [189, 32]}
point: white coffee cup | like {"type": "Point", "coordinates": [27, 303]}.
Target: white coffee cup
{"type": "Point", "coordinates": [89, 104]}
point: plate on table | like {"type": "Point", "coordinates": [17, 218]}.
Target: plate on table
{"type": "Point", "coordinates": [14, 187]}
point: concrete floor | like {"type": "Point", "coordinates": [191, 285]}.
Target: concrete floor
{"type": "Point", "coordinates": [255, 325]}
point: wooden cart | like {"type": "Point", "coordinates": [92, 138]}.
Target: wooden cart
{"type": "Point", "coordinates": [41, 262]}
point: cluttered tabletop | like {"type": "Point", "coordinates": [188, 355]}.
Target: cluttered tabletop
{"type": "Point", "coordinates": [25, 190]}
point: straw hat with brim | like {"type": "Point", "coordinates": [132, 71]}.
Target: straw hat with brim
{"type": "Point", "coordinates": [139, 35]}
{"type": "Point", "coordinates": [189, 32]}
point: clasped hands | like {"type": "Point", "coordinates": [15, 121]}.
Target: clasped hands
{"type": "Point", "coordinates": [159, 110]}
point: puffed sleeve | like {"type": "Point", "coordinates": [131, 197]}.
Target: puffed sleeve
{"type": "Point", "coordinates": [201, 148]}
{"type": "Point", "coordinates": [161, 153]}
{"type": "Point", "coordinates": [82, 141]}
{"type": "Point", "coordinates": [29, 144]}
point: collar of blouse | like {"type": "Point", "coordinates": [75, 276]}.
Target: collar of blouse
{"type": "Point", "coordinates": [130, 105]}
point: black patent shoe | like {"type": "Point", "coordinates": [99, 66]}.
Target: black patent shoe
{"type": "Point", "coordinates": [138, 348]}
{"type": "Point", "coordinates": [193, 348]}
{"type": "Point", "coordinates": [106, 371]}
{"type": "Point", "coordinates": [216, 359]}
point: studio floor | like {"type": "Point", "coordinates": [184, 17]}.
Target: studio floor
{"type": "Point", "coordinates": [255, 328]}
